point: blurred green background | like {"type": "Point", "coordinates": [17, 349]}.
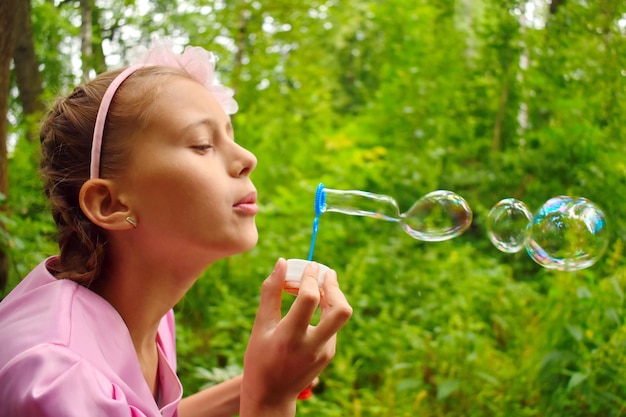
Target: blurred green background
{"type": "Point", "coordinates": [488, 98]}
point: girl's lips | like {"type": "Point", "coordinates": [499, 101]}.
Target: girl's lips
{"type": "Point", "coordinates": [247, 205]}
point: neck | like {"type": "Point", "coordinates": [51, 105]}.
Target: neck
{"type": "Point", "coordinates": [143, 280]}
{"type": "Point", "coordinates": [142, 293]}
{"type": "Point", "coordinates": [143, 290]}
{"type": "Point", "coordinates": [140, 306]}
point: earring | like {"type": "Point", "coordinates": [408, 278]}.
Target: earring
{"type": "Point", "coordinates": [132, 221]}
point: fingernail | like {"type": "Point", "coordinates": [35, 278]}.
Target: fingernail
{"type": "Point", "coordinates": [276, 264]}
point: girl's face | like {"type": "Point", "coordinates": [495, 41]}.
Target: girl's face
{"type": "Point", "coordinates": [188, 182]}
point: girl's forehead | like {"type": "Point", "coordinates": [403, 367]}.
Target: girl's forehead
{"type": "Point", "coordinates": [176, 91]}
{"type": "Point", "coordinates": [185, 104]}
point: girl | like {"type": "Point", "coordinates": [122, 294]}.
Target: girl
{"type": "Point", "coordinates": [148, 188]}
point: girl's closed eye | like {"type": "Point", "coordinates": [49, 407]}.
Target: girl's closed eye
{"type": "Point", "coordinates": [205, 147]}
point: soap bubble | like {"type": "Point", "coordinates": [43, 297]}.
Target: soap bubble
{"type": "Point", "coordinates": [437, 216]}
{"type": "Point", "coordinates": [567, 234]}
{"type": "Point", "coordinates": [507, 225]}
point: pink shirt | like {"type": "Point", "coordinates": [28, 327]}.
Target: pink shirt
{"type": "Point", "coordinates": [66, 352]}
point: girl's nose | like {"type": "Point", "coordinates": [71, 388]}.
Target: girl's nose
{"type": "Point", "coordinates": [245, 162]}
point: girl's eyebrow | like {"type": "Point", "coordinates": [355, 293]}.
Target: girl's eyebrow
{"type": "Point", "coordinates": [202, 122]}
{"type": "Point", "coordinates": [211, 123]}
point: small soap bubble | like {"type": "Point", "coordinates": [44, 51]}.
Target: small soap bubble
{"type": "Point", "coordinates": [507, 225]}
{"type": "Point", "coordinates": [439, 215]}
{"type": "Point", "coordinates": [568, 234]}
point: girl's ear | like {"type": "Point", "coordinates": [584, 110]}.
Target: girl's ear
{"type": "Point", "coordinates": [100, 201]}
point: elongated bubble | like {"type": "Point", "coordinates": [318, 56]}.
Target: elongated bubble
{"type": "Point", "coordinates": [360, 203]}
{"type": "Point", "coordinates": [439, 215]}
{"type": "Point", "coordinates": [507, 225]}
{"type": "Point", "coordinates": [568, 234]}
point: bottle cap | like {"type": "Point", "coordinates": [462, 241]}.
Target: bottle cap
{"type": "Point", "coordinates": [295, 268]}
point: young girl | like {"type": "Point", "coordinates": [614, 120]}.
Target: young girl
{"type": "Point", "coordinates": [148, 188]}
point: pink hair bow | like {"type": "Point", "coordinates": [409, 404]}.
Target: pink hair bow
{"type": "Point", "coordinates": [198, 62]}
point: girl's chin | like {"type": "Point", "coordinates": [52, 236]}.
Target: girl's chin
{"type": "Point", "coordinates": [253, 241]}
{"type": "Point", "coordinates": [233, 245]}
{"type": "Point", "coordinates": [249, 241]}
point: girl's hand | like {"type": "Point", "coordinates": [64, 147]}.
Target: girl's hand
{"type": "Point", "coordinates": [285, 354]}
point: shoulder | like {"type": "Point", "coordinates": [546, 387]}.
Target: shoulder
{"type": "Point", "coordinates": [45, 310]}
{"type": "Point", "coordinates": [32, 312]}
{"type": "Point", "coordinates": [50, 380]}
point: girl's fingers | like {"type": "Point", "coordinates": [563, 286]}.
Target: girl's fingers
{"type": "Point", "coordinates": [271, 295]}
{"type": "Point", "coordinates": [308, 298]}
{"type": "Point", "coordinates": [336, 311]}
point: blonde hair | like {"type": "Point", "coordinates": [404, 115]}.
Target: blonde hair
{"type": "Point", "coordinates": [66, 139]}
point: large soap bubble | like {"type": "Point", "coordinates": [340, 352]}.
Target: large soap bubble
{"type": "Point", "coordinates": [567, 234]}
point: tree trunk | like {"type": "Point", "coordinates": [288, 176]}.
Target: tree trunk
{"type": "Point", "coordinates": [86, 32]}
{"type": "Point", "coordinates": [7, 40]}
{"type": "Point", "coordinates": [240, 42]}
{"type": "Point", "coordinates": [98, 60]}
{"type": "Point", "coordinates": [26, 63]}
{"type": "Point", "coordinates": [242, 34]}
{"type": "Point", "coordinates": [555, 4]}
{"type": "Point", "coordinates": [496, 144]}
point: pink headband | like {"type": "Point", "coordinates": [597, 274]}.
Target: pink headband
{"type": "Point", "coordinates": [98, 130]}
{"type": "Point", "coordinates": [196, 61]}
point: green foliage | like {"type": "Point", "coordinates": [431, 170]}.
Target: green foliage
{"type": "Point", "coordinates": [29, 226]}
{"type": "Point", "coordinates": [402, 98]}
